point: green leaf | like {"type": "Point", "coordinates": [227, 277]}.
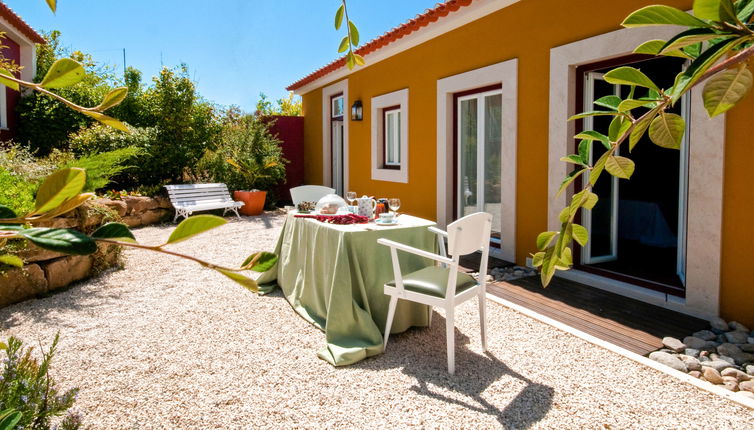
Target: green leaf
{"type": "Point", "coordinates": [61, 240]}
{"type": "Point", "coordinates": [630, 104]}
{"type": "Point", "coordinates": [548, 266]}
{"type": "Point", "coordinates": [725, 89]}
{"type": "Point", "coordinates": [692, 51]}
{"type": "Point", "coordinates": [688, 38]}
{"type": "Point", "coordinates": [339, 17]}
{"type": "Point", "coordinates": [53, 5]}
{"type": "Point", "coordinates": [113, 98]}
{"type": "Point", "coordinates": [653, 47]}
{"type": "Point", "coordinates": [343, 44]}
{"type": "Point", "coordinates": [10, 417]}
{"type": "Point", "coordinates": [629, 76]}
{"type": "Point", "coordinates": [580, 234]}
{"type": "Point", "coordinates": [564, 215]}
{"type": "Point", "coordinates": [194, 225]}
{"type": "Point", "coordinates": [537, 258]}
{"type": "Point", "coordinates": [594, 135]}
{"type": "Point", "coordinates": [68, 205]}
{"type": "Point", "coordinates": [358, 59]}
{"type": "Point", "coordinates": [662, 15]}
{"type": "Point", "coordinates": [610, 102]}
{"type": "Point", "coordinates": [104, 119]}
{"type": "Point", "coordinates": [6, 212]}
{"type": "Point", "coordinates": [715, 10]}
{"type": "Point", "coordinates": [260, 261]}
{"type": "Point", "coordinates": [7, 82]}
{"type": "Point", "coordinates": [620, 167]}
{"type": "Point", "coordinates": [618, 126]}
{"type": "Point", "coordinates": [114, 231]}
{"type": "Point", "coordinates": [697, 68]}
{"type": "Point", "coordinates": [59, 187]}
{"type": "Point", "coordinates": [585, 147]}
{"type": "Point", "coordinates": [354, 33]}
{"type": "Point", "coordinates": [63, 73]}
{"type": "Point", "coordinates": [590, 201]}
{"type": "Point", "coordinates": [594, 113]}
{"type": "Point", "coordinates": [598, 167]}
{"type": "Point", "coordinates": [640, 127]}
{"type": "Point", "coordinates": [544, 239]}
{"type": "Point", "coordinates": [568, 179]}
{"type": "Point", "coordinates": [245, 281]}
{"type": "Point", "coordinates": [11, 260]}
{"type": "Point", "coordinates": [744, 10]}
{"type": "Point", "coordinates": [350, 60]}
{"type": "Point", "coordinates": [575, 159]}
{"type": "Point", "coordinates": [667, 130]}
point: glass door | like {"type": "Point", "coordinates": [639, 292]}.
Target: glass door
{"type": "Point", "coordinates": [479, 148]}
{"type": "Point", "coordinates": [336, 140]}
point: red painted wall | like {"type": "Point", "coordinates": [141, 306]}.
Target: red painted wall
{"type": "Point", "coordinates": [290, 130]}
{"type": "Point", "coordinates": [11, 52]}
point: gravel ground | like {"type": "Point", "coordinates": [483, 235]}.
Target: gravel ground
{"type": "Point", "coordinates": [165, 344]}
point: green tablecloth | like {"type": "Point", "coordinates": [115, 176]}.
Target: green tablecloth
{"type": "Point", "coordinates": [333, 276]}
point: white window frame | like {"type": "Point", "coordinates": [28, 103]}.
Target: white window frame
{"type": "Point", "coordinates": [327, 93]}
{"type": "Point", "coordinates": [3, 107]}
{"type": "Point", "coordinates": [386, 114]}
{"type": "Point", "coordinates": [506, 74]}
{"type": "Point", "coordinates": [705, 174]}
{"type": "Point", "coordinates": [379, 103]}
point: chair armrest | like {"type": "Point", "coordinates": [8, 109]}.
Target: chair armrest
{"type": "Point", "coordinates": [416, 251]}
{"type": "Point", "coordinates": [436, 230]}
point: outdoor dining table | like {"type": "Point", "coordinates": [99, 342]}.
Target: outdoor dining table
{"type": "Point", "coordinates": [333, 276]}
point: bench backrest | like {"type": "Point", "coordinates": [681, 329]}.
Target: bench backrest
{"type": "Point", "coordinates": [198, 193]}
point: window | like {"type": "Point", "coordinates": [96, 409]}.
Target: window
{"type": "Point", "coordinates": [3, 108]}
{"type": "Point", "coordinates": [337, 143]}
{"type": "Point", "coordinates": [389, 117]}
{"type": "Point", "coordinates": [337, 107]}
{"type": "Point", "coordinates": [391, 137]}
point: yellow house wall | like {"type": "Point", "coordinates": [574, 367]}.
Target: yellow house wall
{"type": "Point", "coordinates": [526, 30]}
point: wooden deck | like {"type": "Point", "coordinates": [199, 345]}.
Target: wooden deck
{"type": "Point", "coordinates": [631, 324]}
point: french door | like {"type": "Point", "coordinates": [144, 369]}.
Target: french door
{"type": "Point", "coordinates": [336, 141]}
{"type": "Point", "coordinates": [478, 161]}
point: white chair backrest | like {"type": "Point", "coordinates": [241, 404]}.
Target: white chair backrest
{"type": "Point", "coordinates": [469, 234]}
{"type": "Point", "coordinates": [309, 193]}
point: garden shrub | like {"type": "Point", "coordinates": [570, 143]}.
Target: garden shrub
{"type": "Point", "coordinates": [103, 167]}
{"type": "Point", "coordinates": [27, 387]}
{"type": "Point", "coordinates": [16, 192]}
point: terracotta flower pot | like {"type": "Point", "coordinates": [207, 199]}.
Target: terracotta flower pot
{"type": "Point", "coordinates": [253, 201]}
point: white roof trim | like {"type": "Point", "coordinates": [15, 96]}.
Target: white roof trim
{"type": "Point", "coordinates": [454, 20]}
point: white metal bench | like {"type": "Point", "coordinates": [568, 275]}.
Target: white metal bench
{"type": "Point", "coordinates": [189, 198]}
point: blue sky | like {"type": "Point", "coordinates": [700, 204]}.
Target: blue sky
{"type": "Point", "coordinates": [235, 49]}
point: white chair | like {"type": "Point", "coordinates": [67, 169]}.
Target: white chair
{"type": "Point", "coordinates": [443, 286]}
{"type": "Point", "coordinates": [309, 193]}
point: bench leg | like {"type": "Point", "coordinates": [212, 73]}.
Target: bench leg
{"type": "Point", "coordinates": [237, 214]}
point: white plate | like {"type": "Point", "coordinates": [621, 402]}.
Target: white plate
{"type": "Point", "coordinates": [386, 223]}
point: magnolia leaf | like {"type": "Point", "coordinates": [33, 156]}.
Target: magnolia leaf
{"type": "Point", "coordinates": [354, 33]}
{"type": "Point", "coordinates": [593, 113]}
{"type": "Point", "coordinates": [339, 17]}
{"type": "Point", "coordinates": [350, 61]}
{"type": "Point", "coordinates": [627, 105]}
{"type": "Point", "coordinates": [598, 167]}
{"type": "Point", "coordinates": [359, 59]}
{"type": "Point", "coordinates": [629, 76]}
{"type": "Point", "coordinates": [548, 266]}
{"type": "Point", "coordinates": [590, 201]}
{"type": "Point", "coordinates": [577, 200]}
{"type": "Point", "coordinates": [566, 259]}
{"type": "Point", "coordinates": [745, 9]}
{"type": "Point", "coordinates": [343, 44]}
{"type": "Point", "coordinates": [580, 234]}
{"type": "Point", "coordinates": [575, 159]}
{"type": "Point", "coordinates": [61, 240]}
{"type": "Point", "coordinates": [564, 215]}
{"type": "Point", "coordinates": [724, 90]}
{"type": "Point", "coordinates": [662, 15]}
{"type": "Point", "coordinates": [113, 98]}
{"type": "Point", "coordinates": [6, 212]}
{"type": "Point", "coordinates": [11, 260]}
{"type": "Point", "coordinates": [688, 38]}
{"type": "Point", "coordinates": [10, 417]}
{"type": "Point", "coordinates": [618, 126]}
{"type": "Point", "coordinates": [53, 5]}
{"type": "Point", "coordinates": [610, 102]}
{"type": "Point", "coordinates": [260, 261]}
{"type": "Point", "coordinates": [245, 281]}
{"type": "Point", "coordinates": [568, 179]}
{"type": "Point", "coordinates": [63, 73]}
{"type": "Point", "coordinates": [536, 259]}
{"type": "Point", "coordinates": [620, 167]}
{"type": "Point", "coordinates": [194, 225]}
{"type": "Point", "coordinates": [585, 148]}
{"type": "Point", "coordinates": [68, 205]}
{"type": "Point", "coordinates": [594, 135]}
{"type": "Point", "coordinates": [114, 231]}
{"type": "Point", "coordinates": [7, 82]}
{"type": "Point", "coordinates": [59, 187]}
{"type": "Point", "coordinates": [104, 119]}
{"type": "Point", "coordinates": [667, 130]}
{"type": "Point", "coordinates": [715, 10]}
{"type": "Point", "coordinates": [640, 127]}
{"type": "Point", "coordinates": [696, 69]}
{"type": "Point", "coordinates": [544, 239]}
{"type": "Point", "coordinates": [653, 47]}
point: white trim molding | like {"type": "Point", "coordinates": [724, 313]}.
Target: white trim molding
{"type": "Point", "coordinates": [379, 173]}
{"type": "Point", "coordinates": [505, 73]}
{"type": "Point", "coordinates": [707, 142]}
{"type": "Point", "coordinates": [327, 92]}
{"type": "Point", "coordinates": [463, 16]}
{"type": "Point", "coordinates": [28, 49]}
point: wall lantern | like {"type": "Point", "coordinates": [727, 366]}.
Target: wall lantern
{"type": "Point", "coordinates": [357, 111]}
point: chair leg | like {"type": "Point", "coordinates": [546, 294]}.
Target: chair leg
{"type": "Point", "coordinates": [450, 334]}
{"type": "Point", "coordinates": [429, 319]}
{"type": "Point", "coordinates": [389, 323]}
{"type": "Point", "coordinates": [483, 317]}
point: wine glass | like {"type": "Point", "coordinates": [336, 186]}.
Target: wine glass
{"type": "Point", "coordinates": [351, 197]}
{"type": "Point", "coordinates": [394, 204]}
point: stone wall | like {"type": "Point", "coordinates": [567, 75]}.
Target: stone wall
{"type": "Point", "coordinates": [45, 271]}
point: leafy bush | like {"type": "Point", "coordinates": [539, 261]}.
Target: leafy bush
{"type": "Point", "coordinates": [27, 388]}
{"type": "Point", "coordinates": [101, 168]}
{"type": "Point", "coordinates": [248, 143]}
{"type": "Point", "coordinates": [16, 192]}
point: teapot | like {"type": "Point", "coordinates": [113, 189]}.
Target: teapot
{"type": "Point", "coordinates": [366, 206]}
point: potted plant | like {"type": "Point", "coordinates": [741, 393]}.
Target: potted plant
{"type": "Point", "coordinates": [253, 199]}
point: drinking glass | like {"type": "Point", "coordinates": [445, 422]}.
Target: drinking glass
{"type": "Point", "coordinates": [351, 197]}
{"type": "Point", "coordinates": [394, 204]}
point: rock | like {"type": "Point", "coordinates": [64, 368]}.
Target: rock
{"type": "Point", "coordinates": [747, 386]}
{"type": "Point", "coordinates": [718, 365]}
{"type": "Point", "coordinates": [718, 323]}
{"type": "Point", "coordinates": [63, 271]}
{"type": "Point", "coordinates": [704, 335]}
{"type": "Point", "coordinates": [673, 344]}
{"type": "Point", "coordinates": [737, 326]}
{"type": "Point", "coordinates": [163, 202]}
{"type": "Point", "coordinates": [694, 342]}
{"type": "Point", "coordinates": [746, 347]}
{"type": "Point", "coordinates": [726, 358]}
{"type": "Point", "coordinates": [119, 206]}
{"type": "Point", "coordinates": [137, 205]}
{"type": "Point", "coordinates": [735, 353]}
{"type": "Point", "coordinates": [151, 216]}
{"type": "Point", "coordinates": [712, 375]}
{"type": "Point", "coordinates": [33, 254]}
{"type": "Point", "coordinates": [704, 358]}
{"type": "Point", "coordinates": [668, 360]}
{"type": "Point", "coordinates": [750, 340]}
{"type": "Point", "coordinates": [736, 337]}
{"type": "Point", "coordinates": [720, 338]}
{"type": "Point", "coordinates": [731, 385]}
{"type": "Point", "coordinates": [735, 373]}
{"type": "Point", "coordinates": [93, 218]}
{"type": "Point", "coordinates": [21, 283]}
{"type": "Point", "coordinates": [132, 220]}
{"type": "Point", "coordinates": [59, 222]}
{"type": "Point", "coordinates": [750, 370]}
{"type": "Point", "coordinates": [691, 352]}
{"type": "Point", "coordinates": [696, 374]}
{"type": "Point", "coordinates": [691, 362]}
